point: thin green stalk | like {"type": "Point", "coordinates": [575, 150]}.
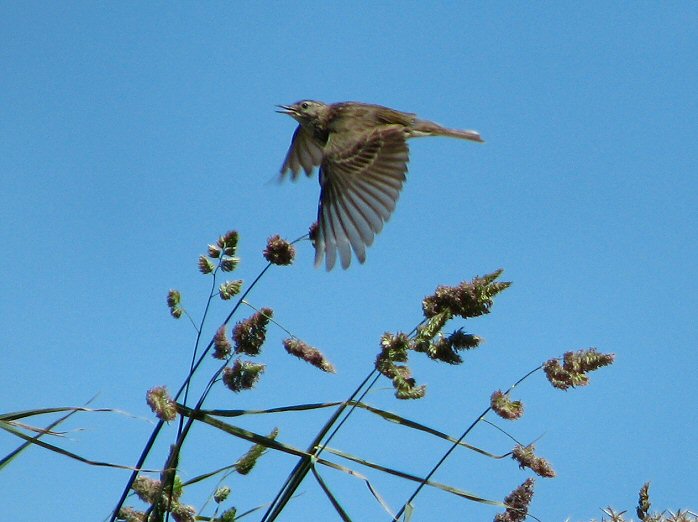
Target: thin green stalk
{"type": "Point", "coordinates": [199, 331]}
{"type": "Point", "coordinates": [455, 445]}
{"type": "Point", "coordinates": [151, 441]}
{"type": "Point", "coordinates": [303, 466]}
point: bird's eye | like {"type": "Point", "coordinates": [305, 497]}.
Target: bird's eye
{"type": "Point", "coordinates": [305, 105]}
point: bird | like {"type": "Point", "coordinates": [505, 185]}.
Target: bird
{"type": "Point", "coordinates": [362, 153]}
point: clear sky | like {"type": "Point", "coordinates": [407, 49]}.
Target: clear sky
{"type": "Point", "coordinates": [132, 134]}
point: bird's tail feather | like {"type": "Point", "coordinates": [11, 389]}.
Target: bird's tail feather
{"type": "Point", "coordinates": [429, 128]}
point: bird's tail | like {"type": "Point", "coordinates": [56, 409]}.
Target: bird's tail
{"type": "Point", "coordinates": [429, 128]}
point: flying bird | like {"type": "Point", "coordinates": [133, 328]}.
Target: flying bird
{"type": "Point", "coordinates": [362, 153]}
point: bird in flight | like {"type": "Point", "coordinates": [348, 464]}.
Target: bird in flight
{"type": "Point", "coordinates": [362, 153]}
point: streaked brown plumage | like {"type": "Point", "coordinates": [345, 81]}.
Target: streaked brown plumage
{"type": "Point", "coordinates": [362, 153]}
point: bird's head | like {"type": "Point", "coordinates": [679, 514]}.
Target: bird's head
{"type": "Point", "coordinates": [305, 111]}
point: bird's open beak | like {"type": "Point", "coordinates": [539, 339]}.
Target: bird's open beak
{"type": "Point", "coordinates": [287, 109]}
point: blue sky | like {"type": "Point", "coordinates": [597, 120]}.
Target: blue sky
{"type": "Point", "coordinates": [133, 134]}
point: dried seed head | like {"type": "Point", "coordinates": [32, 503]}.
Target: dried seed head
{"type": "Point", "coordinates": [468, 299]}
{"type": "Point", "coordinates": [406, 388]}
{"type": "Point", "coordinates": [393, 349]}
{"type": "Point", "coordinates": [173, 302]}
{"type": "Point", "coordinates": [229, 242]}
{"type": "Point", "coordinates": [243, 375]}
{"type": "Point", "coordinates": [147, 489]}
{"type": "Point", "coordinates": [221, 494]}
{"type": "Point", "coordinates": [173, 298]}
{"type": "Point", "coordinates": [183, 513]}
{"type": "Point", "coordinates": [161, 403]}
{"type": "Point", "coordinates": [575, 366]}
{"type": "Point", "coordinates": [517, 502]}
{"type": "Point", "coordinates": [245, 463]}
{"type": "Point", "coordinates": [229, 289]}
{"type": "Point", "coordinates": [503, 406]}
{"type": "Point", "coordinates": [206, 266]}
{"type": "Point", "coordinates": [128, 514]}
{"type": "Point", "coordinates": [221, 344]}
{"type": "Point", "coordinates": [526, 458]}
{"type": "Point", "coordinates": [228, 264]}
{"type": "Point", "coordinates": [279, 251]}
{"type": "Point", "coordinates": [308, 354]}
{"type": "Point", "coordinates": [249, 334]}
{"type": "Point", "coordinates": [312, 232]}
{"type": "Point", "coordinates": [644, 504]}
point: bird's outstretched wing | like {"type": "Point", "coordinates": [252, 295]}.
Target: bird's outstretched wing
{"type": "Point", "coordinates": [360, 183]}
{"type": "Point", "coordinates": [303, 153]}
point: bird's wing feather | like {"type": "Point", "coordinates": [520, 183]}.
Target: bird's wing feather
{"type": "Point", "coordinates": [360, 183]}
{"type": "Point", "coordinates": [303, 153]}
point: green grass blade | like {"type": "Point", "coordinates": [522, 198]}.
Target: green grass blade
{"type": "Point", "coordinates": [405, 475]}
{"type": "Point", "coordinates": [333, 500]}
